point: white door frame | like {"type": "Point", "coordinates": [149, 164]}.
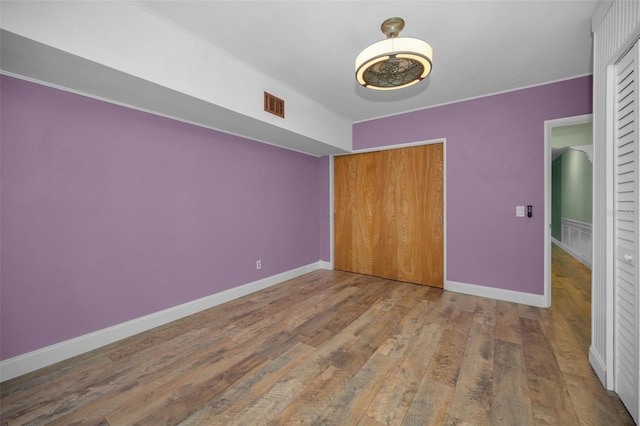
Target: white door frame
{"type": "Point", "coordinates": [549, 125]}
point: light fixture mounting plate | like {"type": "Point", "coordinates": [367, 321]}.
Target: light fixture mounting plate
{"type": "Point", "coordinates": [391, 27]}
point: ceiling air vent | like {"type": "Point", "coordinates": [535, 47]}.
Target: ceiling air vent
{"type": "Point", "coordinates": [273, 105]}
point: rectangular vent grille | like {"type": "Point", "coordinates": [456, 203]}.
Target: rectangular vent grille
{"type": "Point", "coordinates": [273, 105]}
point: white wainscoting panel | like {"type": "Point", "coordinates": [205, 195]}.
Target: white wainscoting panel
{"type": "Point", "coordinates": [576, 240]}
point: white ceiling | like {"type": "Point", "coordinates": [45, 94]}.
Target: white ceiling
{"type": "Point", "coordinates": [480, 47]}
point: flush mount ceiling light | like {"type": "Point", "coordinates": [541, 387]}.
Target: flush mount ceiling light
{"type": "Point", "coordinates": [394, 63]}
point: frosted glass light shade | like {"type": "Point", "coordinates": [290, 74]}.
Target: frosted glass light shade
{"type": "Point", "coordinates": [394, 63]}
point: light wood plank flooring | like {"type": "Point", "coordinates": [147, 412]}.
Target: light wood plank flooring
{"type": "Point", "coordinates": [338, 348]}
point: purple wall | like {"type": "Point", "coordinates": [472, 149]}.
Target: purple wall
{"type": "Point", "coordinates": [109, 214]}
{"type": "Point", "coordinates": [495, 161]}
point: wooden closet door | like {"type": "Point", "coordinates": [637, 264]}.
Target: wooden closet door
{"type": "Point", "coordinates": [356, 213]}
{"type": "Point", "coordinates": [412, 238]}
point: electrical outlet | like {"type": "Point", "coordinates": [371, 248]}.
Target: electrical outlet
{"type": "Point", "coordinates": [258, 264]}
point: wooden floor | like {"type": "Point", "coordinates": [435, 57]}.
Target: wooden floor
{"type": "Point", "coordinates": [338, 348]}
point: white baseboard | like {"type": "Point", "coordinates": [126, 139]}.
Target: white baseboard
{"type": "Point", "coordinates": [322, 264]}
{"type": "Point", "coordinates": [586, 262]}
{"type": "Point", "coordinates": [537, 300]}
{"type": "Point", "coordinates": [31, 361]}
{"type": "Point", "coordinates": [598, 366]}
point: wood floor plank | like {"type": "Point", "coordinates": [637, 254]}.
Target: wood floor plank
{"type": "Point", "coordinates": [578, 318]}
{"type": "Point", "coordinates": [177, 400]}
{"type": "Point", "coordinates": [510, 397]}
{"type": "Point", "coordinates": [19, 396]}
{"type": "Point", "coordinates": [352, 346]}
{"type": "Point", "coordinates": [463, 302]}
{"type": "Point", "coordinates": [413, 345]}
{"type": "Point", "coordinates": [265, 409]}
{"type": "Point", "coordinates": [313, 307]}
{"type": "Point", "coordinates": [351, 402]}
{"type": "Point", "coordinates": [590, 400]}
{"type": "Point", "coordinates": [622, 412]}
{"type": "Point", "coordinates": [485, 311]}
{"type": "Point", "coordinates": [396, 344]}
{"type": "Point", "coordinates": [568, 352]}
{"type": "Point", "coordinates": [74, 400]}
{"type": "Point", "coordinates": [571, 294]}
{"type": "Point", "coordinates": [314, 399]}
{"type": "Point", "coordinates": [122, 398]}
{"type": "Point", "coordinates": [272, 394]}
{"type": "Point", "coordinates": [418, 292]}
{"type": "Point", "coordinates": [530, 312]}
{"type": "Point", "coordinates": [395, 396]}
{"type": "Point", "coordinates": [367, 343]}
{"type": "Point", "coordinates": [244, 389]}
{"type": "Point", "coordinates": [340, 348]}
{"type": "Point", "coordinates": [431, 404]}
{"type": "Point", "coordinates": [445, 366]}
{"type": "Point", "coordinates": [508, 322]}
{"type": "Point", "coordinates": [472, 397]}
{"type": "Point", "coordinates": [348, 361]}
{"type": "Point", "coordinates": [327, 324]}
{"type": "Point", "coordinates": [549, 395]}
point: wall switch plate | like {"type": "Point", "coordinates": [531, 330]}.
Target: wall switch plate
{"type": "Point", "coordinates": [520, 211]}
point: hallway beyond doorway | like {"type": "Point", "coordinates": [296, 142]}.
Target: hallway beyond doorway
{"type": "Point", "coordinates": [571, 294]}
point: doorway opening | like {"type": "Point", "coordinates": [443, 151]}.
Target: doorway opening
{"type": "Point", "coordinates": [568, 199]}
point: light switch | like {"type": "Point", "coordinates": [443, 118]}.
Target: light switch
{"type": "Point", "coordinates": [520, 211]}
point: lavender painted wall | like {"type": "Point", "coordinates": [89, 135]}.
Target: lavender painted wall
{"type": "Point", "coordinates": [109, 214]}
{"type": "Point", "coordinates": [495, 161]}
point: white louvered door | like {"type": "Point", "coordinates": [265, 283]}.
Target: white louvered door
{"type": "Point", "coordinates": [626, 293]}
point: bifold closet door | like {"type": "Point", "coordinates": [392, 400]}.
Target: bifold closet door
{"type": "Point", "coordinates": [626, 292]}
{"type": "Point", "coordinates": [411, 231]}
{"type": "Point", "coordinates": [388, 209]}
{"type": "Point", "coordinates": [356, 226]}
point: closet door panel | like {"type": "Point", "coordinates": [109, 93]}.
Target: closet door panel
{"type": "Point", "coordinates": [625, 193]}
{"type": "Point", "coordinates": [412, 247]}
{"type": "Point", "coordinates": [356, 213]}
{"type": "Point", "coordinates": [392, 231]}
